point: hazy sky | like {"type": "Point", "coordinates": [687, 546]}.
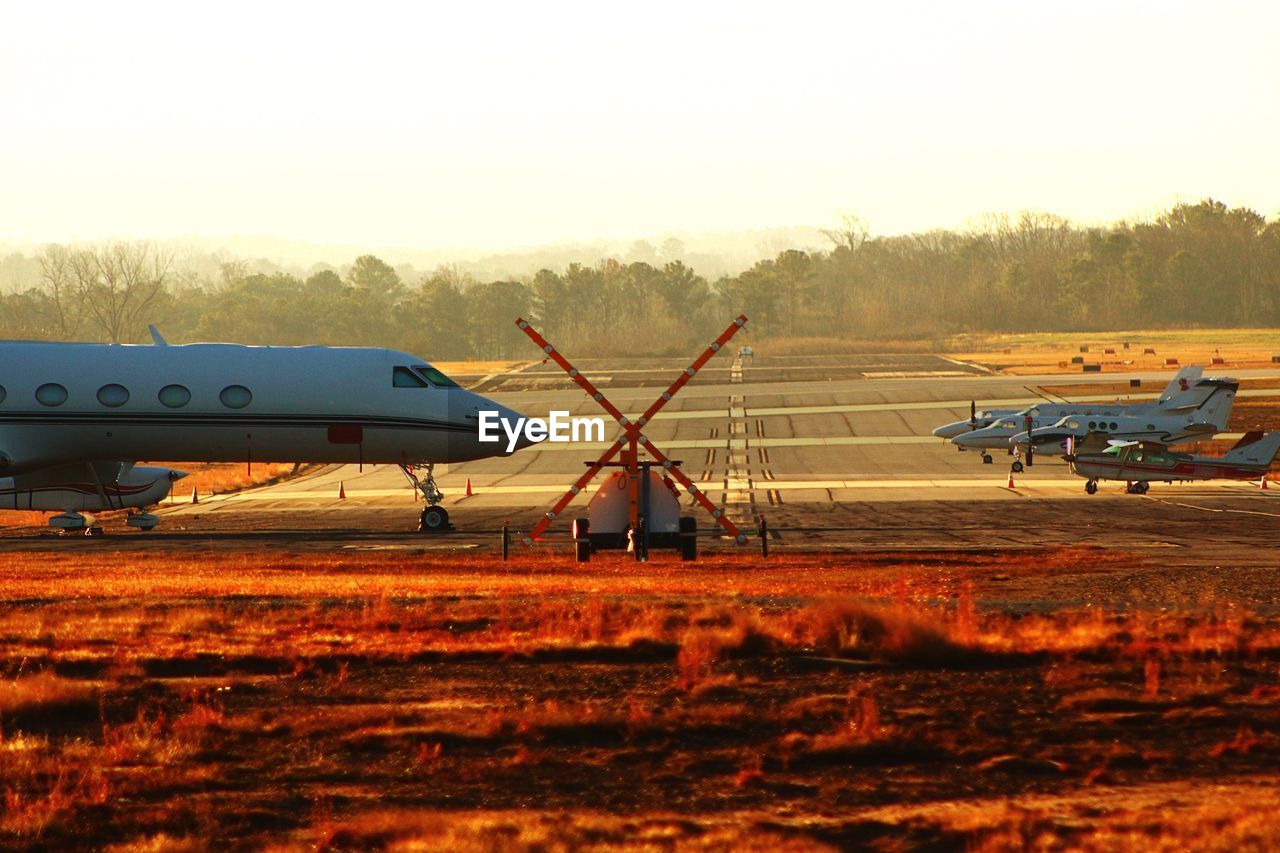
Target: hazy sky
{"type": "Point", "coordinates": [490, 125]}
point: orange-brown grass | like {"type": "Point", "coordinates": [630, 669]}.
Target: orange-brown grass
{"type": "Point", "coordinates": [1149, 389]}
{"type": "Point", "coordinates": [40, 573]}
{"type": "Point", "coordinates": [216, 478]}
{"type": "Point", "coordinates": [1035, 354]}
{"type": "Point", "coordinates": [399, 700]}
{"type": "Point", "coordinates": [22, 518]}
{"type": "Point", "coordinates": [473, 368]}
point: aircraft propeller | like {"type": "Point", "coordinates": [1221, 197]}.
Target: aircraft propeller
{"type": "Point", "coordinates": [973, 415]}
{"type": "Point", "coordinates": [1031, 443]}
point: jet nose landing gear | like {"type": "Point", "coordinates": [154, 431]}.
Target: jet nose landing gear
{"type": "Point", "coordinates": [434, 518]}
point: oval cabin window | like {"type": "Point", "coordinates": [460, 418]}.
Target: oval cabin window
{"type": "Point", "coordinates": [235, 397]}
{"type": "Point", "coordinates": [51, 394]}
{"type": "Point", "coordinates": [174, 396]}
{"type": "Point", "coordinates": [113, 396]}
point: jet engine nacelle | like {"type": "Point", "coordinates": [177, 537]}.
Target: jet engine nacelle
{"type": "Point", "coordinates": [137, 486]}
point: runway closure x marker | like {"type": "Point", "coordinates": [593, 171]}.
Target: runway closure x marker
{"type": "Point", "coordinates": [632, 439]}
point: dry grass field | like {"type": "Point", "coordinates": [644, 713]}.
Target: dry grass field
{"type": "Point", "coordinates": [1039, 353]}
{"type": "Point", "coordinates": [410, 700]}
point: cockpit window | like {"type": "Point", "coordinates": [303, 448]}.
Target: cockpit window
{"type": "Point", "coordinates": [403, 377]}
{"type": "Point", "coordinates": [435, 377]}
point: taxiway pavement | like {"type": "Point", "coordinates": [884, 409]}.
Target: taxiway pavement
{"type": "Point", "coordinates": [834, 450]}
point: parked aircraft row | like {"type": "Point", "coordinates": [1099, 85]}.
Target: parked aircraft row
{"type": "Point", "coordinates": [1125, 441]}
{"type": "Point", "coordinates": [77, 419]}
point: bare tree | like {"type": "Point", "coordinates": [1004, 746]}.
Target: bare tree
{"type": "Point", "coordinates": [58, 276]}
{"type": "Point", "coordinates": [850, 234]}
{"type": "Point", "coordinates": [118, 284]}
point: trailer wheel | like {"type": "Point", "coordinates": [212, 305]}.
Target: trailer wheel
{"type": "Point", "coordinates": [582, 540]}
{"type": "Point", "coordinates": [688, 537]}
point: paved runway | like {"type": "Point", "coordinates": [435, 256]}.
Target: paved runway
{"type": "Point", "coordinates": [811, 442]}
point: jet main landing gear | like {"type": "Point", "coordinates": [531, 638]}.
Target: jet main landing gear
{"type": "Point", "coordinates": [1137, 488]}
{"type": "Point", "coordinates": [1016, 467]}
{"type": "Point", "coordinates": [434, 518]}
{"type": "Point", "coordinates": [986, 459]}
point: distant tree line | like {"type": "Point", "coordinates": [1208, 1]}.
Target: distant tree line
{"type": "Point", "coordinates": [1198, 264]}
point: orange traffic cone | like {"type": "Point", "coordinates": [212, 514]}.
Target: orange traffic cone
{"type": "Point", "coordinates": [468, 487]}
{"type": "Point", "coordinates": [1009, 485]}
{"type": "Point", "coordinates": [1263, 485]}
{"type": "Point", "coordinates": [342, 491]}
{"type": "Point", "coordinates": [195, 496]}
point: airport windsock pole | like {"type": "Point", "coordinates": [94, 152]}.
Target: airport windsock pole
{"type": "Point", "coordinates": [633, 439]}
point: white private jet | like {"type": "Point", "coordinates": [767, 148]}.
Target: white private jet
{"type": "Point", "coordinates": [75, 418]}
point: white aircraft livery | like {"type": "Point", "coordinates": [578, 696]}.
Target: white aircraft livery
{"type": "Point", "coordinates": [74, 418]}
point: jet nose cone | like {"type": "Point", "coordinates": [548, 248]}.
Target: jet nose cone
{"type": "Point", "coordinates": [176, 475]}
{"type": "Point", "coordinates": [512, 417]}
{"type": "Point", "coordinates": [966, 439]}
{"type": "Point", "coordinates": [501, 422]}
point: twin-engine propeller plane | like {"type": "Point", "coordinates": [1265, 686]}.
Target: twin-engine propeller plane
{"type": "Point", "coordinates": [1198, 411]}
{"type": "Point", "coordinates": [1205, 421]}
{"type": "Point", "coordinates": [75, 418]}
{"type": "Point", "coordinates": [1139, 463]}
{"type": "Point", "coordinates": [1178, 394]}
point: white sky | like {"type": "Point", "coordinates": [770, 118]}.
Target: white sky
{"type": "Point", "coordinates": [468, 124]}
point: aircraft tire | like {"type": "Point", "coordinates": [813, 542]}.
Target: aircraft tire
{"type": "Point", "coordinates": [1091, 487]}
{"type": "Point", "coordinates": [1016, 467]}
{"type": "Point", "coordinates": [1141, 487]}
{"type": "Point", "coordinates": [986, 459]}
{"type": "Point", "coordinates": [434, 519]}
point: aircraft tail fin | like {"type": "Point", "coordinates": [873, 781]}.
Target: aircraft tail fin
{"type": "Point", "coordinates": [1184, 380]}
{"type": "Point", "coordinates": [1255, 449]}
{"type": "Point", "coordinates": [1217, 406]}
